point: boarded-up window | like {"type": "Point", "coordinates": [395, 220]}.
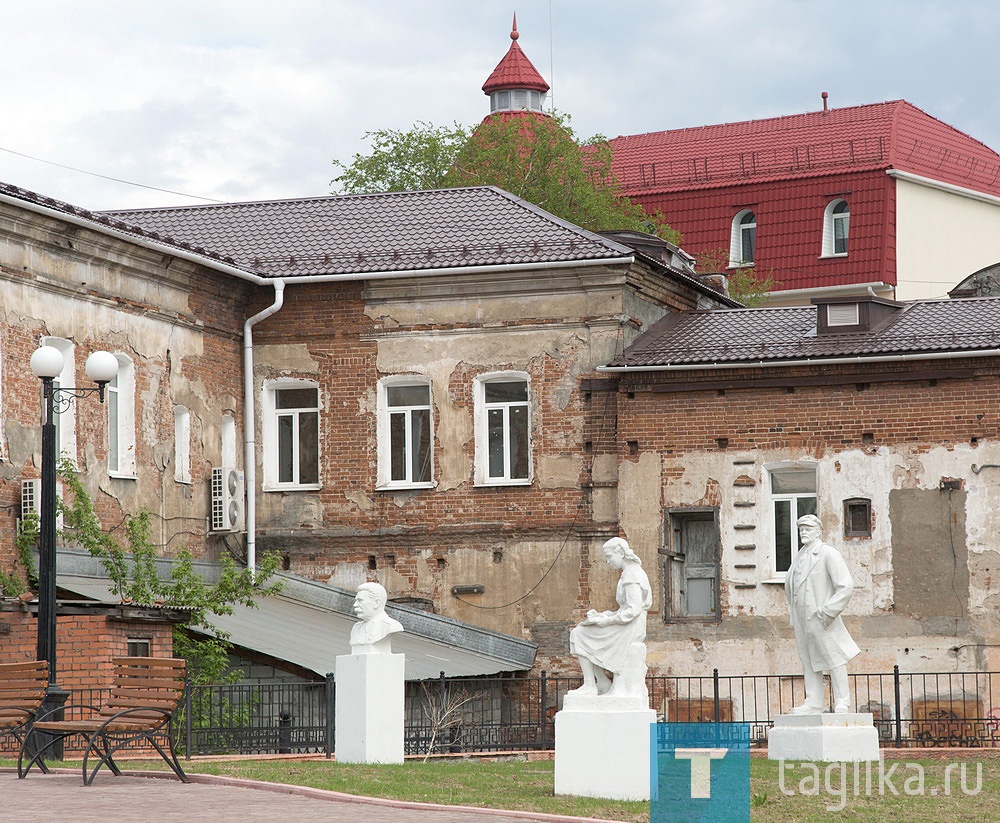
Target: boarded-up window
{"type": "Point", "coordinates": [691, 565]}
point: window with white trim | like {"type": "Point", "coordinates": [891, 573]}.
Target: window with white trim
{"type": "Point", "coordinates": [405, 433]}
{"type": "Point", "coordinates": [517, 100]}
{"type": "Point", "coordinates": [66, 420]}
{"type": "Point", "coordinates": [291, 434]}
{"type": "Point", "coordinates": [227, 433]}
{"type": "Point", "coordinates": [793, 495]}
{"type": "Point", "coordinates": [503, 429]}
{"type": "Point", "coordinates": [836, 228]}
{"type": "Point", "coordinates": [182, 444]}
{"type": "Point", "coordinates": [121, 420]}
{"type": "Point", "coordinates": [743, 241]}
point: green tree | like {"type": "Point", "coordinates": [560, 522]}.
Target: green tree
{"type": "Point", "coordinates": [536, 158]}
{"type": "Point", "coordinates": [131, 566]}
{"type": "Point", "coordinates": [749, 285]}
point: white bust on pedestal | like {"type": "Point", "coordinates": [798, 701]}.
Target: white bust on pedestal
{"type": "Point", "coordinates": [818, 587]}
{"type": "Point", "coordinates": [603, 730]}
{"type": "Point", "coordinates": [370, 708]}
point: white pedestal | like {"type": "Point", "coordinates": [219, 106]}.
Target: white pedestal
{"type": "Point", "coordinates": [369, 717]}
{"type": "Point", "coordinates": [603, 748]}
{"type": "Point", "coordinates": [826, 737]}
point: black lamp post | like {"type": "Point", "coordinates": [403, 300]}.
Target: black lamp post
{"type": "Point", "coordinates": [47, 363]}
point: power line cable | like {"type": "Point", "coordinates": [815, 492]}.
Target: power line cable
{"type": "Point", "coordinates": [108, 177]}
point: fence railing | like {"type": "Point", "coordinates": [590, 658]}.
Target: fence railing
{"type": "Point", "coordinates": [508, 713]}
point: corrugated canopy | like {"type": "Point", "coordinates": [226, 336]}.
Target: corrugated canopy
{"type": "Point", "coordinates": [308, 624]}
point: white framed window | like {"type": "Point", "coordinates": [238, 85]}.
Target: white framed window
{"type": "Point", "coordinates": [182, 444]}
{"type": "Point", "coordinates": [291, 434]}
{"type": "Point", "coordinates": [793, 495]}
{"type": "Point", "coordinates": [503, 429]}
{"type": "Point", "coordinates": [405, 433]}
{"type": "Point", "coordinates": [836, 228]}
{"type": "Point", "coordinates": [121, 420]}
{"type": "Point", "coordinates": [517, 100]}
{"type": "Point", "coordinates": [66, 420]}
{"type": "Point", "coordinates": [743, 240]}
{"type": "Point", "coordinates": [227, 437]}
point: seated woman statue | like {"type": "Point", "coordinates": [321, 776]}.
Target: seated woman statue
{"type": "Point", "coordinates": [614, 641]}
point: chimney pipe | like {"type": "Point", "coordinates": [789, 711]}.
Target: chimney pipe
{"type": "Point", "coordinates": [825, 96]}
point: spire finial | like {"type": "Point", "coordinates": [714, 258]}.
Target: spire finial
{"type": "Point", "coordinates": [513, 32]}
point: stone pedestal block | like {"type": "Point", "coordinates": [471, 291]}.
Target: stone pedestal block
{"type": "Point", "coordinates": [369, 717]}
{"type": "Point", "coordinates": [605, 751]}
{"type": "Point", "coordinates": [826, 737]}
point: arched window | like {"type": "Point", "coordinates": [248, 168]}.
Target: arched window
{"type": "Point", "coordinates": [66, 420]}
{"type": "Point", "coordinates": [121, 420]}
{"type": "Point", "coordinates": [836, 227]}
{"type": "Point", "coordinates": [743, 244]}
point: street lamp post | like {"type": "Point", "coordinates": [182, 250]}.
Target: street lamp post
{"type": "Point", "coordinates": [47, 363]}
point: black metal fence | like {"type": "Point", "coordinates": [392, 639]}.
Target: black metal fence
{"type": "Point", "coordinates": [512, 713]}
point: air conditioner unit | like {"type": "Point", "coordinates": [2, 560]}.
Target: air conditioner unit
{"type": "Point", "coordinates": [228, 500]}
{"type": "Point", "coordinates": [31, 499]}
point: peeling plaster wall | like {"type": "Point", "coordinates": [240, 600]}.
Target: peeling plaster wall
{"type": "Point", "coordinates": [177, 323]}
{"type": "Point", "coordinates": [926, 581]}
{"type": "Point", "coordinates": [528, 545]}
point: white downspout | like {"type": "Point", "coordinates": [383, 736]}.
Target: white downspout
{"type": "Point", "coordinates": [249, 429]}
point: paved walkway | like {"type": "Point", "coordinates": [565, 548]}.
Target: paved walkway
{"type": "Point", "coordinates": [63, 797]}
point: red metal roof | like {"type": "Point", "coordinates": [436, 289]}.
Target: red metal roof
{"type": "Point", "coordinates": [894, 134]}
{"type": "Point", "coordinates": [515, 70]}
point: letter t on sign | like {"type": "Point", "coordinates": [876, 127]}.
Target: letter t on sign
{"type": "Point", "coordinates": [701, 768]}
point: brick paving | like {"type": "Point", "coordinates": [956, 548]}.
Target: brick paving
{"type": "Point", "coordinates": [63, 797]}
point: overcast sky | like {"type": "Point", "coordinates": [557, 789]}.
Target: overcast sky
{"type": "Point", "coordinates": [253, 99]}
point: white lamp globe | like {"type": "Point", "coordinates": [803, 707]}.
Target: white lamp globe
{"type": "Point", "coordinates": [47, 361]}
{"type": "Point", "coordinates": [102, 366]}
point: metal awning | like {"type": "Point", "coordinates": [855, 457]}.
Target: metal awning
{"type": "Point", "coordinates": [309, 623]}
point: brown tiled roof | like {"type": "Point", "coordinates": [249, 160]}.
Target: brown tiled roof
{"type": "Point", "coordinates": [398, 231]}
{"type": "Point", "coordinates": [751, 336]}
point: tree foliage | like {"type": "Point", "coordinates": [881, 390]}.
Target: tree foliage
{"type": "Point", "coordinates": [131, 566]}
{"type": "Point", "coordinates": [534, 157]}
{"type": "Point", "coordinates": [749, 285]}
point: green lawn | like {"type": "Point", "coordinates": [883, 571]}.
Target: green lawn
{"type": "Point", "coordinates": [527, 786]}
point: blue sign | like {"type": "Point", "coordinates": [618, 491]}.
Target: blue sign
{"type": "Point", "coordinates": [700, 773]}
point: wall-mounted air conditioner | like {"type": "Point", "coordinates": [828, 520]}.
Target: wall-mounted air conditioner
{"type": "Point", "coordinates": [228, 500]}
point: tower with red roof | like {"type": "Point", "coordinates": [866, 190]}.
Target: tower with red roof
{"type": "Point", "coordinates": [515, 84]}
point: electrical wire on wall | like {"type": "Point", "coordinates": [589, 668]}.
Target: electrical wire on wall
{"type": "Point", "coordinates": [607, 425]}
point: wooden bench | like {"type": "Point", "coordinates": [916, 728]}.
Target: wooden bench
{"type": "Point", "coordinates": [22, 690]}
{"type": "Point", "coordinates": [144, 696]}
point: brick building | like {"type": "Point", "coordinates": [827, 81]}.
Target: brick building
{"type": "Point", "coordinates": [880, 417]}
{"type": "Point", "coordinates": [826, 202]}
{"type": "Point", "coordinates": [423, 390]}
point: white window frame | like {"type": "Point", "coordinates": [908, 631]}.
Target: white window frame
{"type": "Point", "coordinates": [736, 260]}
{"type": "Point", "coordinates": [385, 412]}
{"type": "Point", "coordinates": [120, 397]}
{"type": "Point", "coordinates": [517, 100]}
{"type": "Point", "coordinates": [481, 412]}
{"type": "Point", "coordinates": [182, 444]}
{"type": "Point", "coordinates": [793, 499]}
{"type": "Point", "coordinates": [270, 434]}
{"type": "Point", "coordinates": [830, 220]}
{"type": "Point", "coordinates": [227, 437]}
{"type": "Point", "coordinates": [66, 420]}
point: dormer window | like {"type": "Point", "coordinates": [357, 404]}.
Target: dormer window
{"type": "Point", "coordinates": [743, 244]}
{"type": "Point", "coordinates": [516, 100]}
{"type": "Point", "coordinates": [836, 228]}
{"type": "Point", "coordinates": [848, 315]}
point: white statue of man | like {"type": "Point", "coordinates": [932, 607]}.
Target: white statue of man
{"type": "Point", "coordinates": [371, 635]}
{"type": "Point", "coordinates": [614, 641]}
{"type": "Point", "coordinates": [818, 586]}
